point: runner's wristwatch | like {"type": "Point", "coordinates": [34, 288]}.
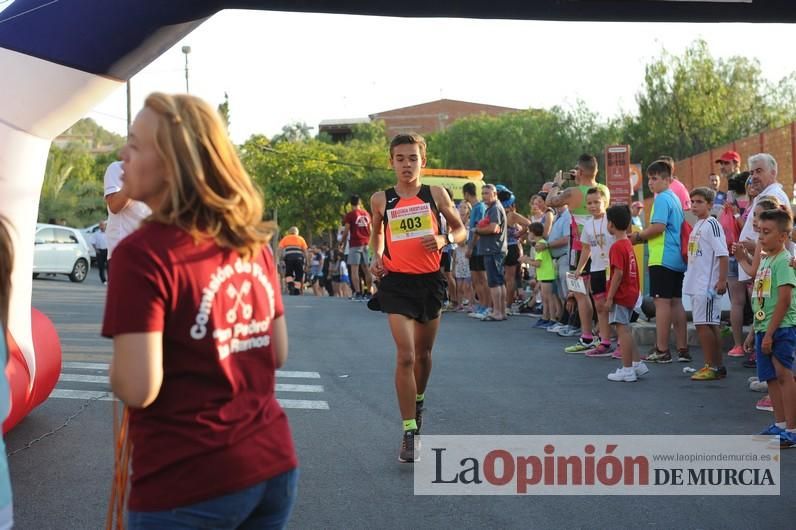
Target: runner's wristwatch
{"type": "Point", "coordinates": [451, 239]}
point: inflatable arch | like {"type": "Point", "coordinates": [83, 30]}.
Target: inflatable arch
{"type": "Point", "coordinates": [60, 58]}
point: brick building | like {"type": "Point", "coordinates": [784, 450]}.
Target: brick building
{"type": "Point", "coordinates": [433, 116]}
{"type": "Point", "coordinates": [423, 118]}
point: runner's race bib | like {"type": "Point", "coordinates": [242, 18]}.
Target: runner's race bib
{"type": "Point", "coordinates": [409, 222]}
{"type": "Point", "coordinates": [575, 283]}
{"type": "Point", "coordinates": [693, 247]}
{"type": "Point", "coordinates": [762, 288]}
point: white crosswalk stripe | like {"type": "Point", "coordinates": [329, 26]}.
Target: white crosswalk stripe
{"type": "Point", "coordinates": [71, 374]}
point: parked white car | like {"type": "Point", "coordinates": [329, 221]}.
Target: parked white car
{"type": "Point", "coordinates": [61, 250]}
{"type": "Point", "coordinates": [88, 233]}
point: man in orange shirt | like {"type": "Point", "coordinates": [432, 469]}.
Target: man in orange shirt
{"type": "Point", "coordinates": [293, 252]}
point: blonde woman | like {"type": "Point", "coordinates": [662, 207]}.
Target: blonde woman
{"type": "Point", "coordinates": [196, 317]}
{"type": "Point", "coordinates": [6, 267]}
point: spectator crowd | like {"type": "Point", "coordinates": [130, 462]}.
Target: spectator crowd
{"type": "Point", "coordinates": [577, 262]}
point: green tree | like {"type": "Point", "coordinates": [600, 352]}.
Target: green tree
{"type": "Point", "coordinates": [294, 132]}
{"type": "Point", "coordinates": [693, 102]}
{"type": "Point", "coordinates": [223, 110]}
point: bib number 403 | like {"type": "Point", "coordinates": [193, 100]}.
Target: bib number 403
{"type": "Point", "coordinates": [410, 223]}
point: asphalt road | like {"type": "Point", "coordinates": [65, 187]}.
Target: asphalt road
{"type": "Point", "coordinates": [488, 378]}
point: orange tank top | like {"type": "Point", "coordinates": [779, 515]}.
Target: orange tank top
{"type": "Point", "coordinates": [406, 221]}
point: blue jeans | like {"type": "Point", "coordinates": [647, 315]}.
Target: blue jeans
{"type": "Point", "coordinates": [264, 505]}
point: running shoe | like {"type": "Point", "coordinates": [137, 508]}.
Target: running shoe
{"type": "Point", "coordinates": [735, 351]}
{"type": "Point", "coordinates": [582, 345]}
{"type": "Point", "coordinates": [409, 442]}
{"type": "Point", "coordinates": [765, 405]}
{"type": "Point", "coordinates": [542, 323]}
{"type": "Point", "coordinates": [750, 362]}
{"type": "Point", "coordinates": [784, 440]}
{"type": "Point", "coordinates": [768, 432]}
{"type": "Point", "coordinates": [721, 372]}
{"type": "Point", "coordinates": [625, 375]}
{"type": "Point", "coordinates": [569, 331]}
{"type": "Point", "coordinates": [683, 356]}
{"type": "Point", "coordinates": [705, 373]}
{"type": "Point", "coordinates": [419, 414]}
{"type": "Point", "coordinates": [758, 386]}
{"type": "Point", "coordinates": [476, 309]}
{"type": "Point", "coordinates": [556, 327]}
{"type": "Point", "coordinates": [616, 354]}
{"type": "Point", "coordinates": [659, 357]}
{"type": "Point", "coordinates": [600, 351]}
{"type": "Point", "coordinates": [641, 369]}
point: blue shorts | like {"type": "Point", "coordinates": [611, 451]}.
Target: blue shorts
{"type": "Point", "coordinates": [493, 263]}
{"type": "Point", "coordinates": [783, 349]}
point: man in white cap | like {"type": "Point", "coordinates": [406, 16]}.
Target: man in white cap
{"type": "Point", "coordinates": [124, 214]}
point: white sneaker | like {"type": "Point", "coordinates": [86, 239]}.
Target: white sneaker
{"type": "Point", "coordinates": [569, 331]}
{"type": "Point", "coordinates": [556, 327]}
{"type": "Point", "coordinates": [641, 369]}
{"type": "Point", "coordinates": [627, 375]}
{"type": "Point", "coordinates": [752, 379]}
{"type": "Point", "coordinates": [758, 386]}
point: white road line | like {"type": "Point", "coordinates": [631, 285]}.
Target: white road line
{"type": "Point", "coordinates": [103, 379]}
{"type": "Point", "coordinates": [60, 393]}
{"type": "Point", "coordinates": [303, 404]}
{"type": "Point", "coordinates": [298, 388]}
{"type": "Point", "coordinates": [298, 375]}
{"type": "Point", "coordinates": [75, 365]}
{"type": "Point", "coordinates": [82, 378]}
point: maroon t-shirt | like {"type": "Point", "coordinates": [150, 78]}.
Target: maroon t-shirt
{"type": "Point", "coordinates": [358, 222]}
{"type": "Point", "coordinates": [216, 426]}
{"type": "Point", "coordinates": [622, 257]}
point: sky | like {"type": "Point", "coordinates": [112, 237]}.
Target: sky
{"type": "Point", "coordinates": [280, 68]}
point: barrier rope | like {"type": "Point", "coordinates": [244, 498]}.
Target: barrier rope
{"type": "Point", "coordinates": [121, 468]}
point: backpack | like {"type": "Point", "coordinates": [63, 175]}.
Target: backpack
{"type": "Point", "coordinates": [730, 225]}
{"type": "Point", "coordinates": [685, 235]}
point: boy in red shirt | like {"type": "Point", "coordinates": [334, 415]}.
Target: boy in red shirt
{"type": "Point", "coordinates": [623, 293]}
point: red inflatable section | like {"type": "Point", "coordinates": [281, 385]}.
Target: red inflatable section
{"type": "Point", "coordinates": [24, 397]}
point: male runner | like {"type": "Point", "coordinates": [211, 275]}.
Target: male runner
{"type": "Point", "coordinates": [407, 246]}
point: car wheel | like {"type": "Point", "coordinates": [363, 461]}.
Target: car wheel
{"type": "Point", "coordinates": [79, 271]}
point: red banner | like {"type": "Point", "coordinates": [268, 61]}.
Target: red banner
{"type": "Point", "coordinates": [617, 171]}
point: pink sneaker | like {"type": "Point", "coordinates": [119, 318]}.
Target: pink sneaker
{"type": "Point", "coordinates": [600, 351]}
{"type": "Point", "coordinates": [617, 354]}
{"type": "Point", "coordinates": [736, 351]}
{"type": "Point", "coordinates": [765, 404]}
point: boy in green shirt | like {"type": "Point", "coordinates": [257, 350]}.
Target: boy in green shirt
{"type": "Point", "coordinates": [546, 275]}
{"type": "Point", "coordinates": [774, 306]}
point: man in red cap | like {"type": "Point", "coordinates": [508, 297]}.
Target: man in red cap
{"type": "Point", "coordinates": [729, 164]}
{"type": "Point", "coordinates": [729, 168]}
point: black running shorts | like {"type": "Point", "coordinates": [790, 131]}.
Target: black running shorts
{"type": "Point", "coordinates": [445, 262]}
{"type": "Point", "coordinates": [476, 263]}
{"type": "Point", "coordinates": [512, 256]}
{"type": "Point", "coordinates": [417, 296]}
{"type": "Point", "coordinates": [665, 283]}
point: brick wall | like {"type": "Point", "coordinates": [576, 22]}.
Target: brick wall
{"type": "Point", "coordinates": [780, 143]}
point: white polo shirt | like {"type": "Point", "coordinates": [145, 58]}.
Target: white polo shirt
{"type": "Point", "coordinates": [127, 220]}
{"type": "Point", "coordinates": [747, 232]}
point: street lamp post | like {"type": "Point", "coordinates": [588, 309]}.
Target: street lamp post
{"type": "Point", "coordinates": [186, 50]}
